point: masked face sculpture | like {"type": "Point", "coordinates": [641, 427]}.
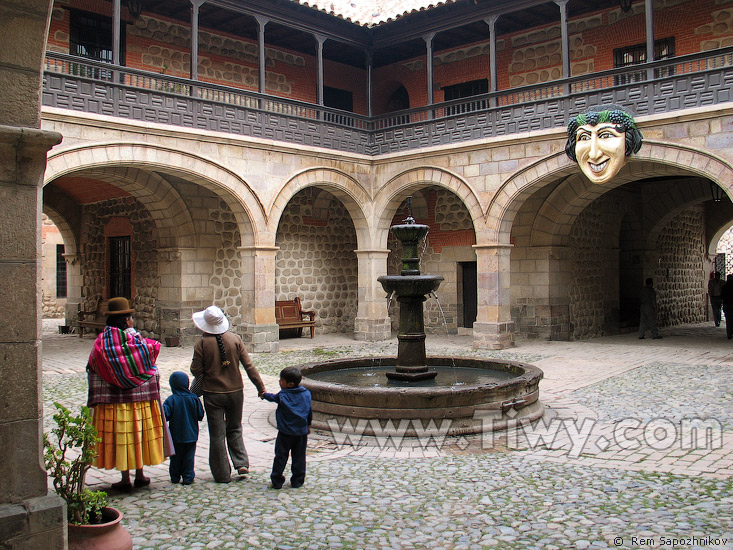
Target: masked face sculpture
{"type": "Point", "coordinates": [600, 141]}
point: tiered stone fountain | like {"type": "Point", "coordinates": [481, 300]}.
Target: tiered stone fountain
{"type": "Point", "coordinates": [373, 394]}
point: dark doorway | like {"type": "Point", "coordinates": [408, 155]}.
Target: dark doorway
{"type": "Point", "coordinates": [120, 263]}
{"type": "Point", "coordinates": [469, 292]}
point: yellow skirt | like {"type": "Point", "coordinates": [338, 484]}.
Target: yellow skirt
{"type": "Point", "coordinates": [131, 433]}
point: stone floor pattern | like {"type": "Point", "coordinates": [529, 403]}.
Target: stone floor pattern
{"type": "Point", "coordinates": [636, 450]}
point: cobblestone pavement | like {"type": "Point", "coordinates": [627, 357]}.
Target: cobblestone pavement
{"type": "Point", "coordinates": [616, 463]}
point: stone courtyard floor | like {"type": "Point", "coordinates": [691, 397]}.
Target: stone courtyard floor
{"type": "Point", "coordinates": [617, 462]}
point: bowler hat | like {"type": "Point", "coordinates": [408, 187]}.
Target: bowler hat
{"type": "Point", "coordinates": [118, 306]}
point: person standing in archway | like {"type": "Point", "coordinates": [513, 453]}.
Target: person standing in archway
{"type": "Point", "coordinates": [715, 289]}
{"type": "Point", "coordinates": [727, 297]}
{"type": "Point", "coordinates": [648, 317]}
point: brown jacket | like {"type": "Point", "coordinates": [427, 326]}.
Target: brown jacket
{"type": "Point", "coordinates": [219, 379]}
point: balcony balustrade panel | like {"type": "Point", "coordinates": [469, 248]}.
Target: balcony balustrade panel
{"type": "Point", "coordinates": [78, 84]}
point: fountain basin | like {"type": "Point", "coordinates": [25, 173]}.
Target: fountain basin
{"type": "Point", "coordinates": [412, 285]}
{"type": "Point", "coordinates": [488, 404]}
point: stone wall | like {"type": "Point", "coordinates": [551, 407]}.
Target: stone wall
{"type": "Point", "coordinates": [680, 277]}
{"type": "Point", "coordinates": [316, 260]}
{"type": "Point", "coordinates": [593, 302]}
{"type": "Point", "coordinates": [95, 262]}
{"type": "Point", "coordinates": [226, 279]}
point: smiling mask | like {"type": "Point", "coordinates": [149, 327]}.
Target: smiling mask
{"type": "Point", "coordinates": [600, 142]}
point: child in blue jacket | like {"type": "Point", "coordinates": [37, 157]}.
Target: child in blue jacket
{"type": "Point", "coordinates": [183, 411]}
{"type": "Point", "coordinates": [293, 417]}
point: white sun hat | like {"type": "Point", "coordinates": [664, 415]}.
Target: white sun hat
{"type": "Point", "coordinates": [211, 320]}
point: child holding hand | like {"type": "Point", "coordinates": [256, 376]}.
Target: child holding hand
{"type": "Point", "coordinates": [293, 417]}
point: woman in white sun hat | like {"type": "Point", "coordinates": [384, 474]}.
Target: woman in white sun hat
{"type": "Point", "coordinates": [216, 356]}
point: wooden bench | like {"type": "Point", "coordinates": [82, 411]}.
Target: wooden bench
{"type": "Point", "coordinates": [289, 314]}
{"type": "Point", "coordinates": [93, 320]}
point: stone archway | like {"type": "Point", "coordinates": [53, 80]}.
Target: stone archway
{"type": "Point", "coordinates": [321, 226]}
{"type": "Point", "coordinates": [161, 179]}
{"type": "Point", "coordinates": [145, 158]}
{"type": "Point", "coordinates": [554, 196]}
{"type": "Point", "coordinates": [451, 208]}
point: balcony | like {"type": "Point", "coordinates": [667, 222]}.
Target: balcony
{"type": "Point", "coordinates": [78, 84]}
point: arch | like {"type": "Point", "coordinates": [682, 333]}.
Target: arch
{"type": "Point", "coordinates": [62, 211]}
{"type": "Point", "coordinates": [718, 223]}
{"type": "Point", "coordinates": [391, 195]}
{"type": "Point", "coordinates": [574, 193]}
{"type": "Point", "coordinates": [347, 189]}
{"type": "Point", "coordinates": [136, 164]}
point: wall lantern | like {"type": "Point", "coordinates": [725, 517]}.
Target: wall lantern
{"type": "Point", "coordinates": [625, 5]}
{"type": "Point", "coordinates": [716, 191]}
{"type": "Point", "coordinates": [135, 7]}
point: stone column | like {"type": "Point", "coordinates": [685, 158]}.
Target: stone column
{"type": "Point", "coordinates": [260, 331]}
{"type": "Point", "coordinates": [174, 318]}
{"type": "Point", "coordinates": [30, 518]}
{"type": "Point", "coordinates": [73, 289]}
{"type": "Point", "coordinates": [493, 328]}
{"type": "Point", "coordinates": [372, 322]}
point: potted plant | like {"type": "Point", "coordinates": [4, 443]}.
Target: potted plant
{"type": "Point", "coordinates": [92, 524]}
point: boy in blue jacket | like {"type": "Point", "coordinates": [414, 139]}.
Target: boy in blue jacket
{"type": "Point", "coordinates": [183, 411]}
{"type": "Point", "coordinates": [293, 417]}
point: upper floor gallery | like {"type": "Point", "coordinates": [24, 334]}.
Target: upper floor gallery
{"type": "Point", "coordinates": [455, 72]}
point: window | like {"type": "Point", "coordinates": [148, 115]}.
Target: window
{"type": "Point", "coordinates": [465, 89]}
{"type": "Point", "coordinates": [60, 272]}
{"type": "Point", "coordinates": [91, 36]}
{"type": "Point", "coordinates": [120, 267]}
{"type": "Point", "coordinates": [636, 55]}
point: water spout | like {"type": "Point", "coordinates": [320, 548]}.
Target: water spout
{"type": "Point", "coordinates": [440, 307]}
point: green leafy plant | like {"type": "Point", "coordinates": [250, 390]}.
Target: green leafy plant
{"type": "Point", "coordinates": [68, 458]}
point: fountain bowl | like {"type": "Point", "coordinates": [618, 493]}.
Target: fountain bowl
{"type": "Point", "coordinates": [412, 285]}
{"type": "Point", "coordinates": [469, 408]}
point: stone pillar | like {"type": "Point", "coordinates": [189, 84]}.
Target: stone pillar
{"type": "Point", "coordinates": [493, 328]}
{"type": "Point", "coordinates": [30, 518]}
{"type": "Point", "coordinates": [174, 320]}
{"type": "Point", "coordinates": [372, 322]}
{"type": "Point", "coordinates": [73, 289]}
{"type": "Point", "coordinates": [259, 331]}
{"type": "Point", "coordinates": [544, 310]}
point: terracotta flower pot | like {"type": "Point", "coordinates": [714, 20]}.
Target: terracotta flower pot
{"type": "Point", "coordinates": [109, 535]}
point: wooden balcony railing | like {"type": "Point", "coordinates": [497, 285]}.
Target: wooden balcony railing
{"type": "Point", "coordinates": [79, 84]}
